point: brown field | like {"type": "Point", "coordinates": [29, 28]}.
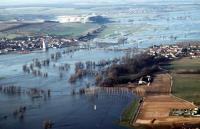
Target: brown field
{"type": "Point", "coordinates": [161, 85]}
{"type": "Point", "coordinates": [158, 102]}
{"type": "Point", "coordinates": [158, 108]}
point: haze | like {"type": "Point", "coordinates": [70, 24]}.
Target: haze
{"type": "Point", "coordinates": [82, 2]}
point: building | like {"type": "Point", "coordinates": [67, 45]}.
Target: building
{"type": "Point", "coordinates": [44, 45]}
{"type": "Point", "coordinates": [82, 19]}
{"type": "Point", "coordinates": [72, 19]}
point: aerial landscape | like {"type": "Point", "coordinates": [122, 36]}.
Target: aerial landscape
{"type": "Point", "coordinates": [104, 64]}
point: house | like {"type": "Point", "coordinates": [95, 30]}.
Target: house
{"type": "Point", "coordinates": [141, 82]}
{"type": "Point", "coordinates": [146, 80]}
{"type": "Point", "coordinates": [196, 111]}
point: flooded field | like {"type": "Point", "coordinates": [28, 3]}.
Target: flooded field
{"type": "Point", "coordinates": [148, 24]}
{"type": "Point", "coordinates": [143, 23]}
{"type": "Point", "coordinates": [67, 110]}
{"type": "Point", "coordinates": [56, 100]}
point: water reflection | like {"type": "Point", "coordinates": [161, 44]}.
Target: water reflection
{"type": "Point", "coordinates": [51, 98]}
{"type": "Point", "coordinates": [74, 111]}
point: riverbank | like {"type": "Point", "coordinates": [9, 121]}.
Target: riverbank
{"type": "Point", "coordinates": [128, 114]}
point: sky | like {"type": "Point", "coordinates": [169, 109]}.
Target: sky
{"type": "Point", "coordinates": [22, 2]}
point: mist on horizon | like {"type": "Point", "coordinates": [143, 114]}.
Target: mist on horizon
{"type": "Point", "coordinates": [89, 2]}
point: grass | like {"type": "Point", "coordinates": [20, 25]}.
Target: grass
{"type": "Point", "coordinates": [72, 29]}
{"type": "Point", "coordinates": [68, 29]}
{"type": "Point", "coordinates": [129, 113]}
{"type": "Point", "coordinates": [186, 86]}
{"type": "Point", "coordinates": [185, 63]}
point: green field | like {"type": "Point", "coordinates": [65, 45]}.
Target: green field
{"type": "Point", "coordinates": [129, 113]}
{"type": "Point", "coordinates": [68, 29]}
{"type": "Point", "coordinates": [186, 86]}
{"type": "Point", "coordinates": [185, 63]}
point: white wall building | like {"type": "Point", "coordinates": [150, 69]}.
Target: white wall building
{"type": "Point", "coordinates": [75, 19]}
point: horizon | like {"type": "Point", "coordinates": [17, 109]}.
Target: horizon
{"type": "Point", "coordinates": [104, 64]}
{"type": "Point", "coordinates": [89, 2]}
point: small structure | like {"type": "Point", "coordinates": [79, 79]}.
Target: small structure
{"type": "Point", "coordinates": [44, 45]}
{"type": "Point", "coordinates": [141, 82]}
{"type": "Point", "coordinates": [196, 111]}
{"type": "Point", "coordinates": [186, 112]}
{"type": "Point", "coordinates": [145, 80]}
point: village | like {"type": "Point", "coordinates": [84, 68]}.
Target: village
{"type": "Point", "coordinates": [173, 51]}
{"type": "Point", "coordinates": [30, 43]}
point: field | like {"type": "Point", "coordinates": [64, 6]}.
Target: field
{"type": "Point", "coordinates": [158, 102]}
{"type": "Point", "coordinates": [185, 63]}
{"type": "Point", "coordinates": [155, 110]}
{"type": "Point", "coordinates": [69, 29]}
{"type": "Point", "coordinates": [186, 86]}
{"type": "Point", "coordinates": [35, 14]}
{"type": "Point", "coordinates": [161, 85]}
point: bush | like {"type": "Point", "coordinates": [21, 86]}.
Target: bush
{"type": "Point", "coordinates": [131, 68]}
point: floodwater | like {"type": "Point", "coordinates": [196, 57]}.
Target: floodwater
{"type": "Point", "coordinates": [66, 110]}
{"type": "Point", "coordinates": [161, 23]}
{"type": "Point", "coordinates": [154, 23]}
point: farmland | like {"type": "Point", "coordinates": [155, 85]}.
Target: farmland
{"type": "Point", "coordinates": [156, 107]}
{"type": "Point", "coordinates": [185, 85]}
{"type": "Point", "coordinates": [155, 110]}
{"type": "Point", "coordinates": [185, 63]}
{"type": "Point", "coordinates": [70, 29]}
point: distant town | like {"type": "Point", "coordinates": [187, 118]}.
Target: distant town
{"type": "Point", "coordinates": [173, 51]}
{"type": "Point", "coordinates": [30, 43]}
